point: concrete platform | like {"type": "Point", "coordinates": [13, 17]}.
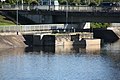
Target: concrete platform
{"type": "Point", "coordinates": [91, 44]}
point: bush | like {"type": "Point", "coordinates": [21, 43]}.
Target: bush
{"type": "Point", "coordinates": [92, 4]}
{"type": "Point", "coordinates": [100, 25]}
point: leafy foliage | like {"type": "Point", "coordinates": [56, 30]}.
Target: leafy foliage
{"type": "Point", "coordinates": [92, 4]}
{"type": "Point", "coordinates": [100, 25]}
{"type": "Point", "coordinates": [19, 1]}
{"type": "Point", "coordinates": [11, 1]}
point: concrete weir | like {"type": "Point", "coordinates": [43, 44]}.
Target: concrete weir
{"type": "Point", "coordinates": [66, 39]}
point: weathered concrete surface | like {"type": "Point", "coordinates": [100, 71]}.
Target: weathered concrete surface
{"type": "Point", "coordinates": [91, 44]}
{"type": "Point", "coordinates": [11, 41]}
{"type": "Point", "coordinates": [65, 40]}
{"type": "Point", "coordinates": [116, 30]}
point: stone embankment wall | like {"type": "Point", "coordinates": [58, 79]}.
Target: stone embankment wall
{"type": "Point", "coordinates": [11, 41]}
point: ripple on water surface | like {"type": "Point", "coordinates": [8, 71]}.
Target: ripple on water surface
{"type": "Point", "coordinates": [19, 64]}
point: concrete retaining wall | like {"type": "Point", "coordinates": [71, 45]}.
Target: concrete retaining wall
{"type": "Point", "coordinates": [64, 40]}
{"type": "Point", "coordinates": [11, 41]}
{"type": "Point", "coordinates": [116, 30]}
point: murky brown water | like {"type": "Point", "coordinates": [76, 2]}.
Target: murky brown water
{"type": "Point", "coordinates": [61, 63]}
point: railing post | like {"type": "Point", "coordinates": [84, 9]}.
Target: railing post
{"type": "Point", "coordinates": [4, 29]}
{"type": "Point", "coordinates": [34, 28]}
{"type": "Point", "coordinates": [9, 28]}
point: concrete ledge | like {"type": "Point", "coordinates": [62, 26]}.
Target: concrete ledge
{"type": "Point", "coordinates": [64, 40]}
{"type": "Point", "coordinates": [88, 42]}
{"type": "Point", "coordinates": [91, 44]}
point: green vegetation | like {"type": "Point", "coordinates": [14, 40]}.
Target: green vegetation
{"type": "Point", "coordinates": [100, 25]}
{"type": "Point", "coordinates": [5, 21]}
{"type": "Point", "coordinates": [87, 2]}
{"type": "Point", "coordinates": [62, 2]}
{"type": "Point", "coordinates": [20, 1]}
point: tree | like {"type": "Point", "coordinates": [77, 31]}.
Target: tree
{"type": "Point", "coordinates": [30, 1]}
{"type": "Point", "coordinates": [11, 1]}
{"type": "Point", "coordinates": [98, 1]}
{"type": "Point", "coordinates": [92, 4]}
{"type": "Point", "coordinates": [77, 1]}
{"type": "Point", "coordinates": [111, 0]}
{"type": "Point", "coordinates": [83, 2]}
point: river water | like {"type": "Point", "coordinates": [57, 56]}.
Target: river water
{"type": "Point", "coordinates": [61, 63]}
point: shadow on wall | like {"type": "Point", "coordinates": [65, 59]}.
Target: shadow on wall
{"type": "Point", "coordinates": [107, 35]}
{"type": "Point", "coordinates": [28, 39]}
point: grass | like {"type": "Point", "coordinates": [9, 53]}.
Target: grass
{"type": "Point", "coordinates": [5, 21]}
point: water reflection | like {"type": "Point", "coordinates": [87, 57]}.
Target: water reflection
{"type": "Point", "coordinates": [94, 49]}
{"type": "Point", "coordinates": [113, 46]}
{"type": "Point", "coordinates": [4, 53]}
{"type": "Point", "coordinates": [59, 63]}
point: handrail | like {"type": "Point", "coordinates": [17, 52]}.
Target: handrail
{"type": "Point", "coordinates": [61, 8]}
{"type": "Point", "coordinates": [24, 28]}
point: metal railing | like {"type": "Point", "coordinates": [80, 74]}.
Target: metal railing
{"type": "Point", "coordinates": [60, 8]}
{"type": "Point", "coordinates": [25, 28]}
